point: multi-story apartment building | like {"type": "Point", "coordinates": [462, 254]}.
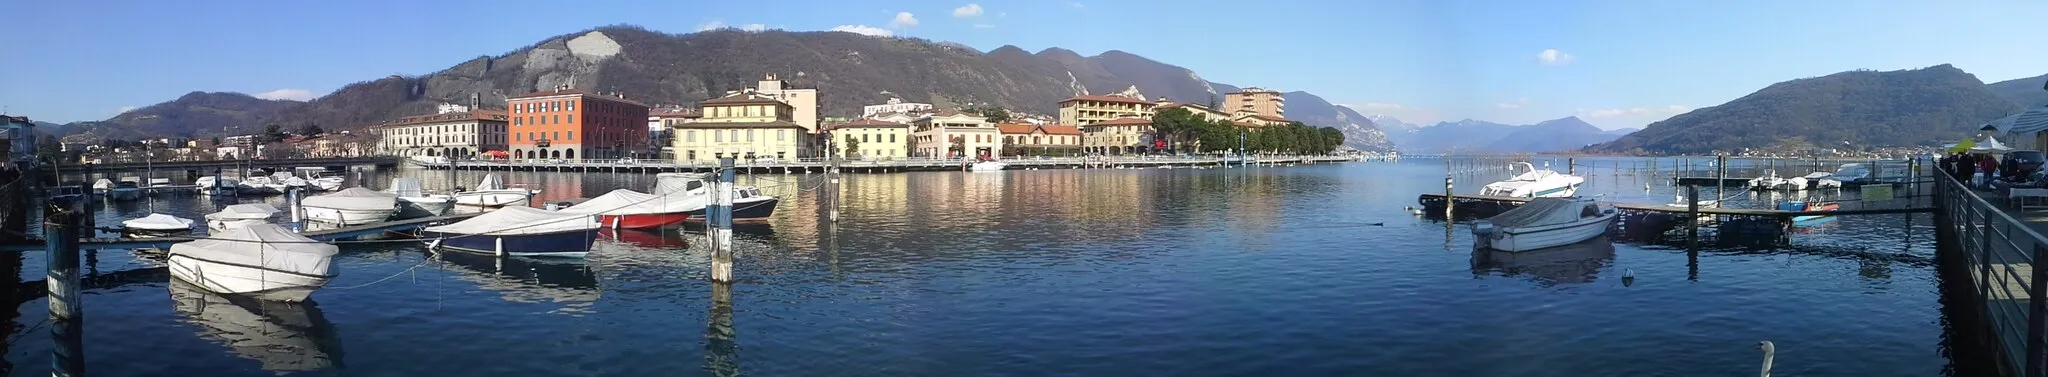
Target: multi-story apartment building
{"type": "Point", "coordinates": [804, 101]}
{"type": "Point", "coordinates": [743, 125]}
{"type": "Point", "coordinates": [1255, 101]}
{"type": "Point", "coordinates": [951, 133]}
{"type": "Point", "coordinates": [895, 105]}
{"type": "Point", "coordinates": [575, 124]}
{"type": "Point", "coordinates": [456, 131]}
{"type": "Point", "coordinates": [1091, 109]}
{"type": "Point", "coordinates": [1118, 136]}
{"type": "Point", "coordinates": [871, 139]}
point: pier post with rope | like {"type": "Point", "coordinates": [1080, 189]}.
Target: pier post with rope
{"type": "Point", "coordinates": [61, 228]}
{"type": "Point", "coordinates": [719, 222]}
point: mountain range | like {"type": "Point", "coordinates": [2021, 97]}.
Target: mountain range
{"type": "Point", "coordinates": [2029, 92]}
{"type": "Point", "coordinates": [1476, 136]}
{"type": "Point", "coordinates": [851, 70]}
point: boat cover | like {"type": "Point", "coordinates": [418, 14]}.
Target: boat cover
{"type": "Point", "coordinates": [490, 182]}
{"type": "Point", "coordinates": [354, 198]}
{"type": "Point", "coordinates": [1818, 175]}
{"type": "Point", "coordinates": [677, 182]}
{"type": "Point", "coordinates": [408, 187]}
{"type": "Point", "coordinates": [252, 211]}
{"type": "Point", "coordinates": [510, 221]}
{"type": "Point", "coordinates": [266, 245]}
{"type": "Point", "coordinates": [103, 183]}
{"type": "Point", "coordinates": [158, 221]}
{"type": "Point", "coordinates": [1540, 212]}
{"type": "Point", "coordinates": [292, 181]}
{"type": "Point", "coordinates": [623, 202]}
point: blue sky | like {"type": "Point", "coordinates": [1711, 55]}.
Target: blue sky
{"type": "Point", "coordinates": [1614, 63]}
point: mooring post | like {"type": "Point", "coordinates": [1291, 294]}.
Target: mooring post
{"type": "Point", "coordinates": [1720, 178]}
{"type": "Point", "coordinates": [2037, 360]}
{"type": "Point", "coordinates": [292, 199]}
{"type": "Point", "coordinates": [1571, 166]}
{"type": "Point", "coordinates": [832, 183]}
{"type": "Point", "coordinates": [60, 230]}
{"type": "Point", "coordinates": [1692, 211]}
{"type": "Point", "coordinates": [720, 223]}
{"type": "Point", "coordinates": [1449, 201]}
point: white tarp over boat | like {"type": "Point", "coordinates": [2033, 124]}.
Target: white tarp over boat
{"type": "Point", "coordinates": [354, 198]}
{"type": "Point", "coordinates": [622, 202]}
{"type": "Point", "coordinates": [671, 183]}
{"type": "Point", "coordinates": [1540, 212]}
{"type": "Point", "coordinates": [490, 182]}
{"type": "Point", "coordinates": [265, 246]}
{"type": "Point", "coordinates": [408, 187]}
{"type": "Point", "coordinates": [158, 221]}
{"type": "Point", "coordinates": [252, 211]}
{"type": "Point", "coordinates": [517, 220]}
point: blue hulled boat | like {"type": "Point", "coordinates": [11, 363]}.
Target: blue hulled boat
{"type": "Point", "coordinates": [521, 231]}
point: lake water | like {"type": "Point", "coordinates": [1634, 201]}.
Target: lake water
{"type": "Point", "coordinates": [1302, 270]}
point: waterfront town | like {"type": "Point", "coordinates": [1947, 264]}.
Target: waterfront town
{"type": "Point", "coordinates": [770, 121]}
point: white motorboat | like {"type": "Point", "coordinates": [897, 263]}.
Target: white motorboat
{"type": "Point", "coordinates": [157, 225]}
{"type": "Point", "coordinates": [264, 261]}
{"type": "Point", "coordinates": [1771, 181]}
{"type": "Point", "coordinates": [353, 206]}
{"type": "Point", "coordinates": [413, 201]}
{"type": "Point", "coordinates": [128, 188]}
{"type": "Point", "coordinates": [1535, 183]}
{"type": "Point", "coordinates": [102, 187]}
{"type": "Point", "coordinates": [492, 192]}
{"type": "Point", "coordinates": [320, 178]}
{"type": "Point", "coordinates": [219, 186]}
{"type": "Point", "coordinates": [987, 166]}
{"type": "Point", "coordinates": [283, 336]}
{"type": "Point", "coordinates": [1543, 223]}
{"type": "Point", "coordinates": [521, 231]}
{"type": "Point", "coordinates": [239, 216]}
{"type": "Point", "coordinates": [1822, 180]}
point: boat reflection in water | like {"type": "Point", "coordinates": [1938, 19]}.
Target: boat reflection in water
{"type": "Point", "coordinates": [285, 337]}
{"type": "Point", "coordinates": [528, 279]}
{"type": "Point", "coordinates": [1569, 264]}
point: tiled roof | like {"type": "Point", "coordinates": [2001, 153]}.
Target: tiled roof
{"type": "Point", "coordinates": [484, 115]}
{"type": "Point", "coordinates": [1107, 99]}
{"type": "Point", "coordinates": [674, 112]}
{"type": "Point", "coordinates": [1056, 129]}
{"type": "Point", "coordinates": [722, 125]}
{"type": "Point", "coordinates": [565, 92]}
{"type": "Point", "coordinates": [740, 99]}
{"type": "Point", "coordinates": [1268, 118]}
{"type": "Point", "coordinates": [866, 123]}
{"type": "Point", "coordinates": [1016, 128]}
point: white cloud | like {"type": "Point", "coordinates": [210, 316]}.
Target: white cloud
{"type": "Point", "coordinates": [1551, 56]}
{"type": "Point", "coordinates": [287, 94]}
{"type": "Point", "coordinates": [984, 26]}
{"type": "Point", "coordinates": [971, 10]}
{"type": "Point", "coordinates": [902, 20]}
{"type": "Point", "coordinates": [709, 26]}
{"type": "Point", "coordinates": [1076, 4]}
{"type": "Point", "coordinates": [864, 30]}
{"type": "Point", "coordinates": [1517, 104]}
{"type": "Point", "coordinates": [1407, 114]}
{"type": "Point", "coordinates": [753, 27]}
{"type": "Point", "coordinates": [1002, 14]}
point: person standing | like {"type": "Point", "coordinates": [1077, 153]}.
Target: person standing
{"type": "Point", "coordinates": [1989, 167]}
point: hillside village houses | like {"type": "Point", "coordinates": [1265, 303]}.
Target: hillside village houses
{"type": "Point", "coordinates": [871, 139]}
{"type": "Point", "coordinates": [452, 131]}
{"type": "Point", "coordinates": [746, 125]}
{"type": "Point", "coordinates": [895, 105]}
{"type": "Point", "coordinates": [951, 133]}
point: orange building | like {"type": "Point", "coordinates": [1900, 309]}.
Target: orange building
{"type": "Point", "coordinates": [575, 124]}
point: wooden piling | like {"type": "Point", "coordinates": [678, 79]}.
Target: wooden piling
{"type": "Point", "coordinates": [1692, 215]}
{"type": "Point", "coordinates": [61, 229]}
{"type": "Point", "coordinates": [720, 223]}
{"type": "Point", "coordinates": [1721, 181]}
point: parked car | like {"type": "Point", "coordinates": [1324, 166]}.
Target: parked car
{"type": "Point", "coordinates": [2029, 161]}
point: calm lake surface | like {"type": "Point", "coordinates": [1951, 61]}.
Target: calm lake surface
{"type": "Point", "coordinates": [1302, 270]}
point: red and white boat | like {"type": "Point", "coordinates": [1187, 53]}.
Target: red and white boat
{"type": "Point", "coordinates": [672, 204]}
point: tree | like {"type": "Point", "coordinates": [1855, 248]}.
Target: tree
{"type": "Point", "coordinates": [311, 130]}
{"type": "Point", "coordinates": [272, 133]}
{"type": "Point", "coordinates": [852, 147]}
{"type": "Point", "coordinates": [959, 146]}
{"type": "Point", "coordinates": [1214, 103]}
{"type": "Point", "coordinates": [991, 113]}
{"type": "Point", "coordinates": [1176, 125]}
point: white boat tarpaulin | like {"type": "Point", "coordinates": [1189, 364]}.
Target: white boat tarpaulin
{"type": "Point", "coordinates": [158, 221]}
{"type": "Point", "coordinates": [263, 245]}
{"type": "Point", "coordinates": [511, 221]}
{"type": "Point", "coordinates": [354, 198]}
{"type": "Point", "coordinates": [408, 187]}
{"type": "Point", "coordinates": [623, 202]}
{"type": "Point", "coordinates": [670, 183]}
{"type": "Point", "coordinates": [490, 182]}
{"type": "Point", "coordinates": [1539, 212]}
{"type": "Point", "coordinates": [252, 211]}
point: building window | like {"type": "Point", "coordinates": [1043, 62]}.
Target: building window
{"type": "Point", "coordinates": [572, 136]}
{"type": "Point", "coordinates": [718, 136]}
{"type": "Point", "coordinates": [572, 105]}
{"type": "Point", "coordinates": [690, 136]}
{"type": "Point", "coordinates": [557, 120]}
{"type": "Point", "coordinates": [572, 118]}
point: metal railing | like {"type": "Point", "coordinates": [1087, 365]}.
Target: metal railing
{"type": "Point", "coordinates": [891, 162]}
{"type": "Point", "coordinates": [1999, 252]}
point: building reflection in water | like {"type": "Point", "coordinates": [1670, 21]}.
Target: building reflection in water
{"type": "Point", "coordinates": [721, 347]}
{"type": "Point", "coordinates": [1570, 264]}
{"type": "Point", "coordinates": [284, 337]}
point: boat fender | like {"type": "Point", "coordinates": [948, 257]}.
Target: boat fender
{"type": "Point", "coordinates": [434, 244]}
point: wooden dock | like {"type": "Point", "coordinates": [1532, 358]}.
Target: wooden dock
{"type": "Point", "coordinates": [337, 234]}
{"type": "Point", "coordinates": [1426, 199]}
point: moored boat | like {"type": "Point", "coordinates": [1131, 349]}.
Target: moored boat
{"type": "Point", "coordinates": [103, 187]}
{"type": "Point", "coordinates": [988, 166]}
{"type": "Point", "coordinates": [128, 188]}
{"type": "Point", "coordinates": [264, 261]}
{"type": "Point", "coordinates": [748, 205]}
{"type": "Point", "coordinates": [1543, 223]}
{"type": "Point", "coordinates": [239, 216]}
{"type": "Point", "coordinates": [492, 192]}
{"type": "Point", "coordinates": [628, 209]}
{"type": "Point", "coordinates": [413, 201]}
{"type": "Point", "coordinates": [1534, 183]}
{"type": "Point", "coordinates": [1804, 206]}
{"type": "Point", "coordinates": [157, 225]}
{"type": "Point", "coordinates": [352, 206]}
{"type": "Point", "coordinates": [520, 231]}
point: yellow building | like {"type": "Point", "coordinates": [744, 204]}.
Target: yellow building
{"type": "Point", "coordinates": [1205, 112]}
{"type": "Point", "coordinates": [1257, 121]}
{"type": "Point", "coordinates": [1117, 136]}
{"type": "Point", "coordinates": [871, 139]}
{"type": "Point", "coordinates": [1255, 101]}
{"type": "Point", "coordinates": [1086, 110]}
{"type": "Point", "coordinates": [950, 133]}
{"type": "Point", "coordinates": [743, 125]}
{"type": "Point", "coordinates": [1027, 139]}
